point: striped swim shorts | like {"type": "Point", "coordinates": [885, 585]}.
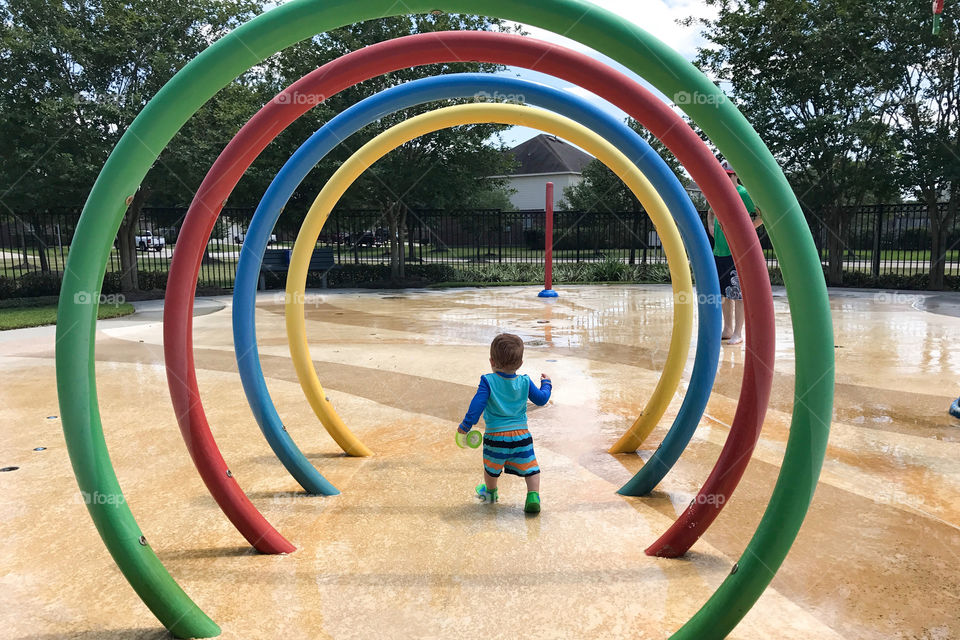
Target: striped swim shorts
{"type": "Point", "coordinates": [510, 451]}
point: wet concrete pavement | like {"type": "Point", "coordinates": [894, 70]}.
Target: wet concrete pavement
{"type": "Point", "coordinates": [406, 551]}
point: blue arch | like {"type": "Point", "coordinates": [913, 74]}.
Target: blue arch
{"type": "Point", "coordinates": [468, 86]}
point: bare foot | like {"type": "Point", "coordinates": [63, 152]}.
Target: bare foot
{"type": "Point", "coordinates": [724, 336]}
{"type": "Point", "coordinates": [735, 340]}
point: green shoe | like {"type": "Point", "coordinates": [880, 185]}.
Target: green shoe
{"type": "Point", "coordinates": [533, 502]}
{"type": "Point", "coordinates": [487, 496]}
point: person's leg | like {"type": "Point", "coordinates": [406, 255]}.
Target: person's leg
{"type": "Point", "coordinates": [532, 503]}
{"type": "Point", "coordinates": [739, 315]}
{"type": "Point", "coordinates": [492, 468]}
{"type": "Point", "coordinates": [529, 468]}
{"type": "Point", "coordinates": [533, 482]}
{"type": "Point", "coordinates": [490, 481]}
{"type": "Point", "coordinates": [724, 266]}
{"type": "Point", "coordinates": [728, 318]}
{"type": "Point", "coordinates": [735, 298]}
{"type": "Point", "coordinates": [487, 490]}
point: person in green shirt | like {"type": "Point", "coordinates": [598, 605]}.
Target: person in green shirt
{"type": "Point", "coordinates": [733, 314]}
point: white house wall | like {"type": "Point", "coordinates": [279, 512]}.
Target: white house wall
{"type": "Point", "coordinates": [531, 190]}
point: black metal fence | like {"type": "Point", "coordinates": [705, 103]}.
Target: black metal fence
{"type": "Point", "coordinates": [889, 239]}
{"type": "Point", "coordinates": [878, 239]}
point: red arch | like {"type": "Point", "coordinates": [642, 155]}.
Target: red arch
{"type": "Point", "coordinates": [490, 47]}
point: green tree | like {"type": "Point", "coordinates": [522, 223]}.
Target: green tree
{"type": "Point", "coordinates": [813, 78]}
{"type": "Point", "coordinates": [927, 98]}
{"type": "Point", "coordinates": [74, 74]}
{"type": "Point", "coordinates": [600, 190]}
{"type": "Point", "coordinates": [443, 170]}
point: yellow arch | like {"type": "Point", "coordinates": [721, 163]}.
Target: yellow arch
{"type": "Point", "coordinates": [476, 114]}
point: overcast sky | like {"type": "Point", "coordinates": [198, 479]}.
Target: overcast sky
{"type": "Point", "coordinates": [658, 17]}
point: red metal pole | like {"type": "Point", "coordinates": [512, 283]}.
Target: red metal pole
{"type": "Point", "coordinates": [548, 240]}
{"type": "Point", "coordinates": [548, 291]}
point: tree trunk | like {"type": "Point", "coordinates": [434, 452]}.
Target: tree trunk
{"type": "Point", "coordinates": [128, 242]}
{"type": "Point", "coordinates": [23, 246]}
{"type": "Point", "coordinates": [645, 235]}
{"type": "Point", "coordinates": [41, 246]}
{"type": "Point", "coordinates": [412, 256]}
{"type": "Point", "coordinates": [835, 248]}
{"type": "Point", "coordinates": [939, 226]}
{"type": "Point", "coordinates": [393, 221]}
{"type": "Point", "coordinates": [597, 229]}
{"type": "Point", "coordinates": [401, 241]}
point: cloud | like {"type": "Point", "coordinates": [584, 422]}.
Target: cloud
{"type": "Point", "coordinates": [658, 17]}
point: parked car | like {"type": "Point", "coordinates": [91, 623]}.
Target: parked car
{"type": "Point", "coordinates": [148, 241]}
{"type": "Point", "coordinates": [377, 238]}
{"type": "Point", "coordinates": [363, 239]}
{"type": "Point", "coordinates": [240, 237]}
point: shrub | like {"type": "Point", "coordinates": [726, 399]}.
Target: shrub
{"type": "Point", "coordinates": [111, 283]}
{"type": "Point", "coordinates": [569, 272]}
{"type": "Point", "coordinates": [514, 272]}
{"type": "Point", "coordinates": [608, 271]}
{"type": "Point", "coordinates": [153, 280]}
{"type": "Point", "coordinates": [38, 283]}
{"type": "Point", "coordinates": [776, 275]}
{"type": "Point", "coordinates": [351, 275]}
{"type": "Point", "coordinates": [654, 273]}
{"type": "Point", "coordinates": [8, 288]}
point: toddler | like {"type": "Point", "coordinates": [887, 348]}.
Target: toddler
{"type": "Point", "coordinates": [502, 400]}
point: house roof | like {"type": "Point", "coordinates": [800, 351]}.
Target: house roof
{"type": "Point", "coordinates": [548, 154]}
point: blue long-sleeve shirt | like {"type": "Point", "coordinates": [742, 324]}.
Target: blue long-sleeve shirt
{"type": "Point", "coordinates": [502, 401]}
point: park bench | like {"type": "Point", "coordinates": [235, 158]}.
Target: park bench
{"type": "Point", "coordinates": [278, 261]}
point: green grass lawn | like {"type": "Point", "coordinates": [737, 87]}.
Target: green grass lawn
{"type": "Point", "coordinates": [31, 314]}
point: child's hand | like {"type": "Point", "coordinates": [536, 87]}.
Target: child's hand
{"type": "Point", "coordinates": [544, 376]}
{"type": "Point", "coordinates": [472, 439]}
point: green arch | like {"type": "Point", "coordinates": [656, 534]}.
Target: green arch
{"type": "Point", "coordinates": [624, 42]}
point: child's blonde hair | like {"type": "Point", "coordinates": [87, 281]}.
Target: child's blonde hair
{"type": "Point", "coordinates": [506, 352]}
